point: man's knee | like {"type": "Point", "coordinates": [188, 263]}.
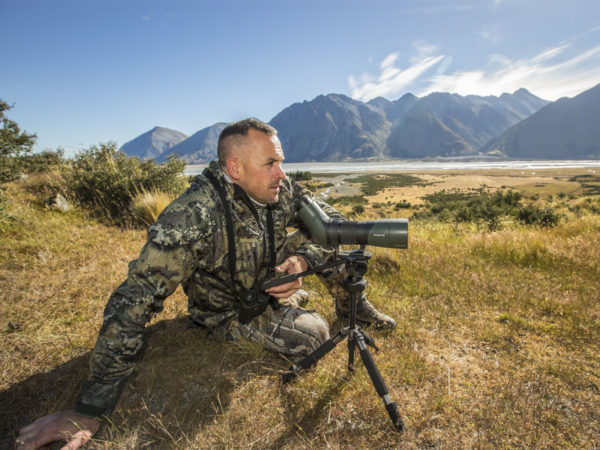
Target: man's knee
{"type": "Point", "coordinates": [301, 332]}
{"type": "Point", "coordinates": [314, 325]}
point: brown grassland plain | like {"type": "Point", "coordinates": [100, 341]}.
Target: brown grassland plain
{"type": "Point", "coordinates": [497, 343]}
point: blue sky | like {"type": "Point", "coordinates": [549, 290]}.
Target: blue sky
{"type": "Point", "coordinates": [83, 72]}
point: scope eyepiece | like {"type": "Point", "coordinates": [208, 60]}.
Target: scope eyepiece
{"type": "Point", "coordinates": [324, 230]}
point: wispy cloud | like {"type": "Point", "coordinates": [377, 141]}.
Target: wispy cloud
{"type": "Point", "coordinates": [546, 75]}
{"type": "Point", "coordinates": [551, 74]}
{"type": "Point", "coordinates": [392, 80]}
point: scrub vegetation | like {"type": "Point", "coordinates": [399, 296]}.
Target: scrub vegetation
{"type": "Point", "coordinates": [372, 183]}
{"type": "Point", "coordinates": [115, 188]}
{"type": "Point", "coordinates": [497, 344]}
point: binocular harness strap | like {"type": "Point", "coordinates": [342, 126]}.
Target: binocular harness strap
{"type": "Point", "coordinates": [232, 256]}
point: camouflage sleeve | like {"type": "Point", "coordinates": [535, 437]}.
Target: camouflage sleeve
{"type": "Point", "coordinates": [314, 254]}
{"type": "Point", "coordinates": [163, 263]}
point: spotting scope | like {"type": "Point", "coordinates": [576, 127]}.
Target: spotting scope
{"type": "Point", "coordinates": [325, 230]}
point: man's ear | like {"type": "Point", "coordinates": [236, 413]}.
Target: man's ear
{"type": "Point", "coordinates": [233, 169]}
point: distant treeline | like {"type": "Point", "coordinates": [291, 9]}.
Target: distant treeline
{"type": "Point", "coordinates": [300, 175]}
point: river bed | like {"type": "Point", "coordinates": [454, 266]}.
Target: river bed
{"type": "Point", "coordinates": [420, 165]}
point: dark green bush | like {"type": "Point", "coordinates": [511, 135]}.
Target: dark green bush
{"type": "Point", "coordinates": [44, 161]}
{"type": "Point", "coordinates": [471, 206]}
{"type": "Point", "coordinates": [532, 215]}
{"type": "Point", "coordinates": [107, 180]}
{"type": "Point", "coordinates": [482, 206]}
{"type": "Point", "coordinates": [358, 209]}
{"type": "Point", "coordinates": [300, 176]}
{"type": "Point", "coordinates": [371, 184]}
{"type": "Point", "coordinates": [14, 143]}
{"type": "Point", "coordinates": [347, 200]}
{"type": "Point", "coordinates": [403, 204]}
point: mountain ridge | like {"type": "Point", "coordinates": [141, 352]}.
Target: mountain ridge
{"type": "Point", "coordinates": [568, 128]}
{"type": "Point", "coordinates": [335, 127]}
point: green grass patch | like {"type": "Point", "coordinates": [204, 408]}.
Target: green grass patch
{"type": "Point", "coordinates": [371, 184]}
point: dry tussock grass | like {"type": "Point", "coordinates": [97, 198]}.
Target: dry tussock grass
{"type": "Point", "coordinates": [147, 205]}
{"type": "Point", "coordinates": [496, 344]}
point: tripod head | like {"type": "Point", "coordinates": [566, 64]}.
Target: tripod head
{"type": "Point", "coordinates": [357, 262]}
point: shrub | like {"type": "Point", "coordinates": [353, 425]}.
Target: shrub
{"type": "Point", "coordinates": [403, 204]}
{"type": "Point", "coordinates": [14, 143]}
{"type": "Point", "coordinates": [45, 161]}
{"type": "Point", "coordinates": [358, 209]}
{"type": "Point", "coordinates": [471, 207]}
{"type": "Point", "coordinates": [371, 184]}
{"type": "Point", "coordinates": [484, 207]}
{"type": "Point", "coordinates": [347, 200]}
{"type": "Point", "coordinates": [532, 215]}
{"type": "Point", "coordinates": [107, 180]}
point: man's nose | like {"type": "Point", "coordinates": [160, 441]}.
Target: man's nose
{"type": "Point", "coordinates": [280, 174]}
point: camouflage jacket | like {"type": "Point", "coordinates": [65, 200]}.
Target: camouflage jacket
{"type": "Point", "coordinates": [188, 245]}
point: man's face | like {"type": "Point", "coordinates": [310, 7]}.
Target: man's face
{"type": "Point", "coordinates": [260, 172]}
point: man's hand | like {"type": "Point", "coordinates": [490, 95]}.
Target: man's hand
{"type": "Point", "coordinates": [67, 426]}
{"type": "Point", "coordinates": [294, 264]}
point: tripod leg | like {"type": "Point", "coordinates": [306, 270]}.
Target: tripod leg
{"type": "Point", "coordinates": [351, 352]}
{"type": "Point", "coordinates": [313, 357]}
{"type": "Point", "coordinates": [378, 382]}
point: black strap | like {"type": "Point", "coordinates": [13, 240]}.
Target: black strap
{"type": "Point", "coordinates": [232, 257]}
{"type": "Point", "coordinates": [270, 227]}
{"type": "Point", "coordinates": [271, 234]}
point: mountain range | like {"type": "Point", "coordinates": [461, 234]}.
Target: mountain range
{"type": "Point", "coordinates": [338, 128]}
{"type": "Point", "coordinates": [154, 143]}
{"type": "Point", "coordinates": [568, 128]}
{"type": "Point", "coordinates": [200, 146]}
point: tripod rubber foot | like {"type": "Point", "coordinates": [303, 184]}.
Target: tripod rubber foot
{"type": "Point", "coordinates": [392, 410]}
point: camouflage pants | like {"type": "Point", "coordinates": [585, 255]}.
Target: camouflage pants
{"type": "Point", "coordinates": [289, 331]}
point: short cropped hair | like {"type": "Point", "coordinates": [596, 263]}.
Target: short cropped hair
{"type": "Point", "coordinates": [235, 133]}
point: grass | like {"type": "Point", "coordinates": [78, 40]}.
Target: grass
{"type": "Point", "coordinates": [497, 344]}
{"type": "Point", "coordinates": [147, 205]}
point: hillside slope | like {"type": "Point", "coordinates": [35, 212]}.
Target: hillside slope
{"type": "Point", "coordinates": [566, 129]}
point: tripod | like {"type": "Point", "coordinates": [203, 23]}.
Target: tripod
{"type": "Point", "coordinates": [356, 264]}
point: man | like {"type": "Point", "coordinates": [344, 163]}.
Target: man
{"type": "Point", "coordinates": [219, 239]}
